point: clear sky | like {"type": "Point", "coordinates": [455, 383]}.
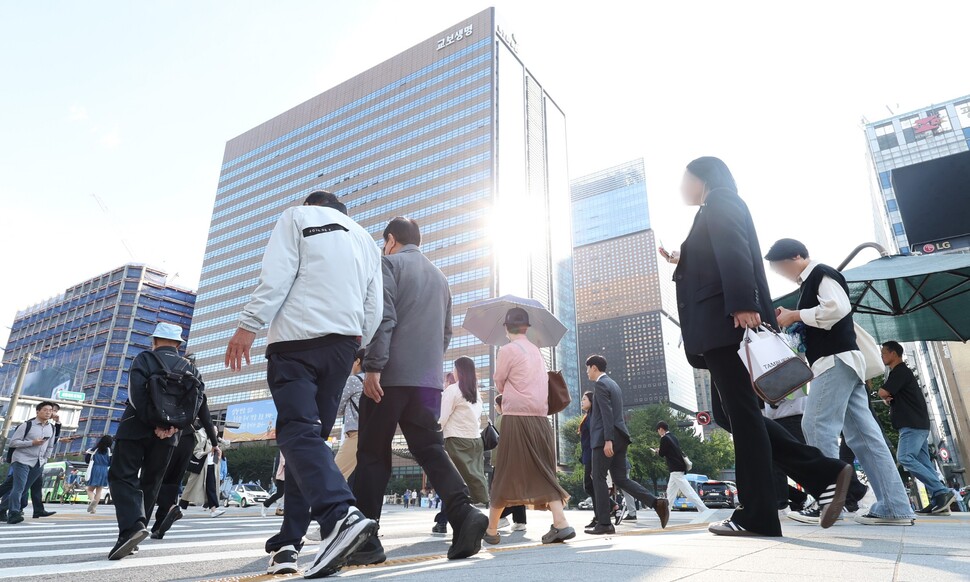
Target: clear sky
{"type": "Point", "coordinates": [127, 106]}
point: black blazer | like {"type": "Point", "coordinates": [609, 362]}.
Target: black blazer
{"type": "Point", "coordinates": [719, 273]}
{"type": "Point", "coordinates": [606, 416]}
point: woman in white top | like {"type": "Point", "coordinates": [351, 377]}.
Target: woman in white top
{"type": "Point", "coordinates": [461, 424]}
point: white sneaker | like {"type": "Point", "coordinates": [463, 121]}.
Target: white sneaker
{"type": "Point", "coordinates": [283, 561]}
{"type": "Point", "coordinates": [519, 527]}
{"type": "Point", "coordinates": [503, 523]}
{"type": "Point", "coordinates": [262, 511]}
{"type": "Point", "coordinates": [347, 537]}
{"type": "Point", "coordinates": [218, 512]}
{"type": "Point", "coordinates": [313, 534]}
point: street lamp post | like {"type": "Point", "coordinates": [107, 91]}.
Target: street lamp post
{"type": "Point", "coordinates": [14, 397]}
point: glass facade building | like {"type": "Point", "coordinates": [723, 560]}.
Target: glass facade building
{"type": "Point", "coordinates": [86, 339]}
{"type": "Point", "coordinates": [920, 171]}
{"type": "Point", "coordinates": [624, 295]}
{"type": "Point", "coordinates": [905, 141]}
{"type": "Point", "coordinates": [456, 133]}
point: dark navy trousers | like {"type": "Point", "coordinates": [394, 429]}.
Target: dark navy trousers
{"type": "Point", "coordinates": [306, 386]}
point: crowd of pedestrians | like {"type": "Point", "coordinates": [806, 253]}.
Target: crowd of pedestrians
{"type": "Point", "coordinates": [360, 333]}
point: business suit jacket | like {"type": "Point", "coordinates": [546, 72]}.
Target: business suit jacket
{"type": "Point", "coordinates": [720, 272]}
{"type": "Point", "coordinates": [606, 416]}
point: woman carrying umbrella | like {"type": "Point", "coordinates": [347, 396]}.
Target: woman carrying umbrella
{"type": "Point", "coordinates": [525, 472]}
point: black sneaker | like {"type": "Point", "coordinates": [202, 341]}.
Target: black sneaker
{"type": "Point", "coordinates": [809, 515]}
{"type": "Point", "coordinates": [941, 503]}
{"type": "Point", "coordinates": [174, 514]}
{"type": "Point", "coordinates": [127, 543]}
{"type": "Point", "coordinates": [468, 541]}
{"type": "Point", "coordinates": [15, 517]}
{"type": "Point", "coordinates": [852, 506]}
{"type": "Point", "coordinates": [369, 554]}
{"type": "Point", "coordinates": [41, 514]}
{"type": "Point", "coordinates": [347, 537]}
{"type": "Point", "coordinates": [439, 529]}
{"type": "Point", "coordinates": [283, 561]}
{"type": "Point", "coordinates": [928, 510]}
{"type": "Point", "coordinates": [592, 524]}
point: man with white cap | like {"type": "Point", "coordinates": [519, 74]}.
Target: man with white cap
{"type": "Point", "coordinates": [143, 445]}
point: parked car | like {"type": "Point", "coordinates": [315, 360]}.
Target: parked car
{"type": "Point", "coordinates": [719, 494]}
{"type": "Point", "coordinates": [246, 494]}
{"type": "Point", "coordinates": [586, 503]}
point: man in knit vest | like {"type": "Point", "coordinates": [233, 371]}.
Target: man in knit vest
{"type": "Point", "coordinates": [838, 400]}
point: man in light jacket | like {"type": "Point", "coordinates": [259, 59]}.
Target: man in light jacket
{"type": "Point", "coordinates": [403, 385]}
{"type": "Point", "coordinates": [32, 444]}
{"type": "Point", "coordinates": [319, 290]}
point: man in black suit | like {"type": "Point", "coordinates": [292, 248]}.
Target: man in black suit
{"type": "Point", "coordinates": [721, 290]}
{"type": "Point", "coordinates": [610, 439]}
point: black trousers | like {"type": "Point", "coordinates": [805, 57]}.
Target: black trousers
{"type": "Point", "coordinates": [517, 512]}
{"type": "Point", "coordinates": [616, 467]}
{"type": "Point", "coordinates": [306, 386]}
{"type": "Point", "coordinates": [788, 495]}
{"type": "Point", "coordinates": [169, 491]}
{"type": "Point", "coordinates": [759, 442]}
{"type": "Point", "coordinates": [588, 479]}
{"type": "Point", "coordinates": [211, 495]}
{"type": "Point", "coordinates": [134, 497]}
{"type": "Point", "coordinates": [280, 491]}
{"type": "Point", "coordinates": [416, 410]}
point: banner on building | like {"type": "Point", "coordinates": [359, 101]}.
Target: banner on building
{"type": "Point", "coordinates": [257, 421]}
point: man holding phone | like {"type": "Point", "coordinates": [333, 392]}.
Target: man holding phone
{"type": "Point", "coordinates": [31, 446]}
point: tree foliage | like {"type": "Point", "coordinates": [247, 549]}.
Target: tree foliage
{"type": "Point", "coordinates": [252, 464]}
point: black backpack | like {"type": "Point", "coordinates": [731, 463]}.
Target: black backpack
{"type": "Point", "coordinates": [174, 396]}
{"type": "Point", "coordinates": [10, 449]}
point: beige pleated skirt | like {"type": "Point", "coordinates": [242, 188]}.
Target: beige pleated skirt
{"type": "Point", "coordinates": [525, 471]}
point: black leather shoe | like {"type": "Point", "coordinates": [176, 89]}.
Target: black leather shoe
{"type": "Point", "coordinates": [369, 554]}
{"type": "Point", "coordinates": [601, 530]}
{"type": "Point", "coordinates": [44, 514]}
{"type": "Point", "coordinates": [592, 524]}
{"type": "Point", "coordinates": [468, 541]}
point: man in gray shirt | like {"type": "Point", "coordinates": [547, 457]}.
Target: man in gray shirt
{"type": "Point", "coordinates": [403, 387]}
{"type": "Point", "coordinates": [32, 444]}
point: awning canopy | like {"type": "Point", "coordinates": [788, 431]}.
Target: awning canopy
{"type": "Point", "coordinates": [909, 298]}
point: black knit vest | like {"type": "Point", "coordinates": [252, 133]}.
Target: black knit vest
{"type": "Point", "coordinates": [820, 342]}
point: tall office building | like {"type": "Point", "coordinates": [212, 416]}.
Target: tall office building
{"type": "Point", "coordinates": [920, 164]}
{"type": "Point", "coordinates": [86, 338]}
{"type": "Point", "coordinates": [456, 133]}
{"type": "Point", "coordinates": [625, 299]}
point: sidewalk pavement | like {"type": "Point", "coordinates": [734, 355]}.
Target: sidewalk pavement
{"type": "Point", "coordinates": [935, 550]}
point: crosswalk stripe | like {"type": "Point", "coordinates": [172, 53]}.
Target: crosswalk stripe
{"type": "Point", "coordinates": [110, 538]}
{"type": "Point", "coordinates": [135, 562]}
{"type": "Point", "coordinates": [106, 548]}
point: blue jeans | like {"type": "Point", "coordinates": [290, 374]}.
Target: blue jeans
{"type": "Point", "coordinates": [23, 477]}
{"type": "Point", "coordinates": [838, 402]}
{"type": "Point", "coordinates": [913, 453]}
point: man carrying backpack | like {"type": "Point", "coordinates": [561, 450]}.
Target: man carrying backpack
{"type": "Point", "coordinates": [164, 396]}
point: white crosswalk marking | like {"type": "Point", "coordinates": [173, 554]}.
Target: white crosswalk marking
{"type": "Point", "coordinates": [74, 544]}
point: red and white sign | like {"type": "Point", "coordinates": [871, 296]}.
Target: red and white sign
{"type": "Point", "coordinates": [703, 418]}
{"type": "Point", "coordinates": [944, 454]}
{"type": "Point", "coordinates": [931, 123]}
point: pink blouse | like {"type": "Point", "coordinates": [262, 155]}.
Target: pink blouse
{"type": "Point", "coordinates": [522, 379]}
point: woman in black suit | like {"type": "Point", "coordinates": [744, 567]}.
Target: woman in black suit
{"type": "Point", "coordinates": [721, 290]}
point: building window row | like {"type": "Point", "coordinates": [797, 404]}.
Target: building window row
{"type": "Point", "coordinates": [348, 162]}
{"type": "Point", "coordinates": [350, 106]}
{"type": "Point", "coordinates": [455, 202]}
{"type": "Point", "coordinates": [384, 127]}
{"type": "Point", "coordinates": [393, 173]}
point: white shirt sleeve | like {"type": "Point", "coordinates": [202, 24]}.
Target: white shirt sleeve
{"type": "Point", "coordinates": [833, 306]}
{"type": "Point", "coordinates": [447, 405]}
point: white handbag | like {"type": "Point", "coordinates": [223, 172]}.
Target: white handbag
{"type": "Point", "coordinates": [871, 351]}
{"type": "Point", "coordinates": [776, 370]}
